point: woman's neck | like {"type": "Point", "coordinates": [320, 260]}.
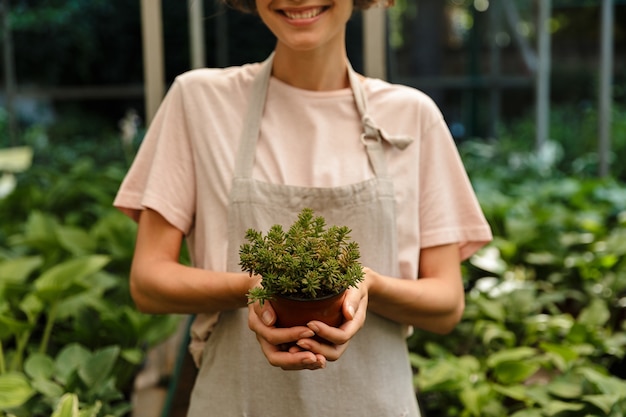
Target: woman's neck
{"type": "Point", "coordinates": [312, 70]}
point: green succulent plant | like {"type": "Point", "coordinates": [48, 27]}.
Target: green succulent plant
{"type": "Point", "coordinates": [308, 261]}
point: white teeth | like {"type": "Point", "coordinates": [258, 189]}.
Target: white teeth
{"type": "Point", "coordinates": [304, 15]}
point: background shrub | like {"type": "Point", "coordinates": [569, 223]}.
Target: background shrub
{"type": "Point", "coordinates": [67, 322]}
{"type": "Point", "coordinates": [543, 333]}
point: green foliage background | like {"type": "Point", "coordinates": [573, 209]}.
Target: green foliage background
{"type": "Point", "coordinates": [67, 323]}
{"type": "Point", "coordinates": [543, 332]}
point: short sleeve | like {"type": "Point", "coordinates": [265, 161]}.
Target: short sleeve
{"type": "Point", "coordinates": [162, 175]}
{"type": "Point", "coordinates": [449, 209]}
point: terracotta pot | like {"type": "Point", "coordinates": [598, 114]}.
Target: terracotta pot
{"type": "Point", "coordinates": [292, 312]}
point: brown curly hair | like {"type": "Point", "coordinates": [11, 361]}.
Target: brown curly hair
{"type": "Point", "coordinates": [249, 6]}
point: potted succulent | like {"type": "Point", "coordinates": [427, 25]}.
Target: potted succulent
{"type": "Point", "coordinates": [303, 270]}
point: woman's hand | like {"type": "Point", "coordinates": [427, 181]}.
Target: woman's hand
{"type": "Point", "coordinates": [279, 344]}
{"type": "Point", "coordinates": [338, 338]}
{"type": "Point", "coordinates": [296, 348]}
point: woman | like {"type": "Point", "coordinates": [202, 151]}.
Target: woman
{"type": "Point", "coordinates": [247, 147]}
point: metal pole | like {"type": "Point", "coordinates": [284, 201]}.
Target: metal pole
{"type": "Point", "coordinates": [153, 57]}
{"type": "Point", "coordinates": [471, 99]}
{"type": "Point", "coordinates": [513, 18]}
{"type": "Point", "coordinates": [495, 94]}
{"type": "Point", "coordinates": [606, 82]}
{"type": "Point", "coordinates": [221, 36]}
{"type": "Point", "coordinates": [196, 33]}
{"type": "Point", "coordinates": [375, 42]}
{"type": "Point", "coordinates": [9, 70]}
{"type": "Point", "coordinates": [543, 74]}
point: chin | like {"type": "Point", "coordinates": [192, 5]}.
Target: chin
{"type": "Point", "coordinates": [305, 44]}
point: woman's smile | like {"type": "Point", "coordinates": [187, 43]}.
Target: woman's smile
{"type": "Point", "coordinates": [303, 14]}
{"type": "Point", "coordinates": [306, 25]}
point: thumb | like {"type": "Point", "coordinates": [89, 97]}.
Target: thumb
{"type": "Point", "coordinates": [267, 314]}
{"type": "Point", "coordinates": [350, 303]}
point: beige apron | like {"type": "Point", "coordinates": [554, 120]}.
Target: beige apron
{"type": "Point", "coordinates": [373, 378]}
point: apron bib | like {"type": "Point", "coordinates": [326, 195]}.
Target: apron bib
{"type": "Point", "coordinates": [373, 378]}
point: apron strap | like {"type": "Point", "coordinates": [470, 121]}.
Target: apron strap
{"type": "Point", "coordinates": [252, 121]}
{"type": "Point", "coordinates": [371, 137]}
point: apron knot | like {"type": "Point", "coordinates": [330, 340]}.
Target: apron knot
{"type": "Point", "coordinates": [371, 131]}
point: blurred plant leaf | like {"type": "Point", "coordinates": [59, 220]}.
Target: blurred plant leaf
{"type": "Point", "coordinates": [67, 406]}
{"type": "Point", "coordinates": [98, 368]}
{"type": "Point", "coordinates": [58, 279]}
{"type": "Point", "coordinates": [16, 159]}
{"type": "Point", "coordinates": [15, 390]}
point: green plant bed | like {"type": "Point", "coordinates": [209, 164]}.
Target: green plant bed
{"type": "Point", "coordinates": [67, 323]}
{"type": "Point", "coordinates": [574, 142]}
{"type": "Point", "coordinates": [544, 323]}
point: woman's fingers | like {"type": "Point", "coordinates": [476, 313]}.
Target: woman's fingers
{"type": "Point", "coordinates": [292, 359]}
{"type": "Point", "coordinates": [279, 344]}
{"type": "Point", "coordinates": [312, 346]}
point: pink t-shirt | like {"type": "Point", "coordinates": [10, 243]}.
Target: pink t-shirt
{"type": "Point", "coordinates": [308, 138]}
